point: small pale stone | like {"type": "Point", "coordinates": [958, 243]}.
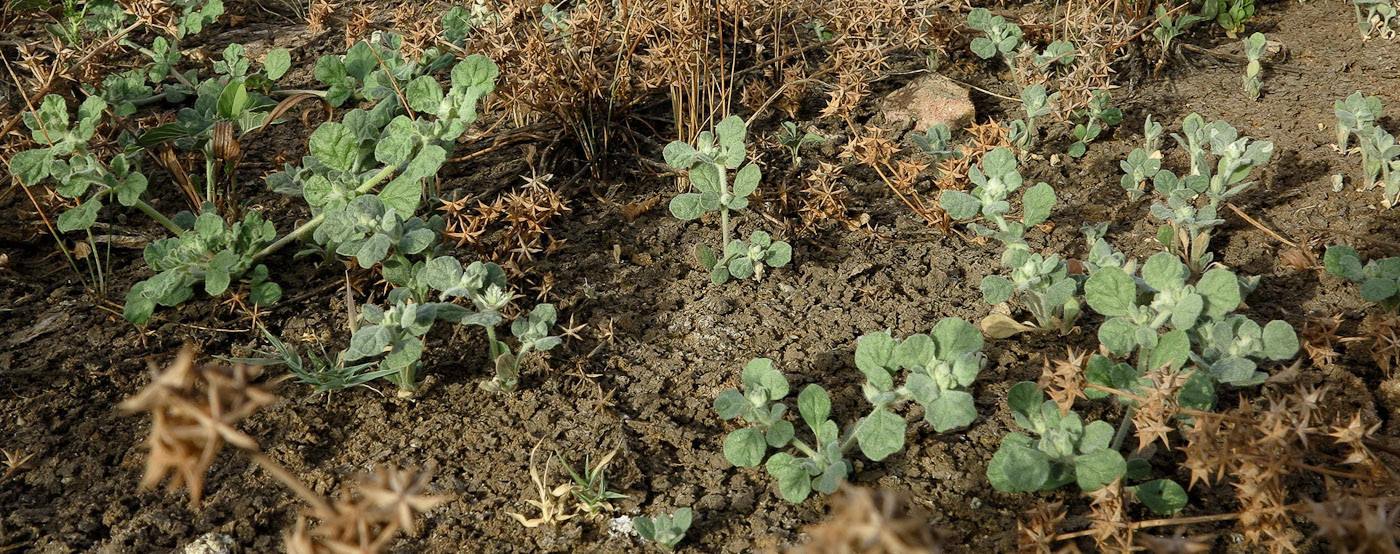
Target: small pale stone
{"type": "Point", "coordinates": [210, 543]}
{"type": "Point", "coordinates": [928, 101]}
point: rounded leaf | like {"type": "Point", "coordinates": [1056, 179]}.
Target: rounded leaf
{"type": "Point", "coordinates": [731, 404]}
{"type": "Point", "coordinates": [334, 145]}
{"type": "Point", "coordinates": [746, 181]}
{"type": "Point", "coordinates": [687, 206]}
{"type": "Point", "coordinates": [794, 483]}
{"type": "Point", "coordinates": [1162, 496]}
{"type": "Point", "coordinates": [952, 410]}
{"type": "Point", "coordinates": [1017, 468]}
{"type": "Point", "coordinates": [277, 62]}
{"type": "Point", "coordinates": [1110, 292]}
{"type": "Point", "coordinates": [1099, 468]}
{"type": "Point", "coordinates": [779, 434]}
{"type": "Point", "coordinates": [1280, 341]}
{"type": "Point", "coordinates": [745, 447]}
{"type": "Point", "coordinates": [813, 403]}
{"type": "Point", "coordinates": [881, 434]}
{"type": "Point", "coordinates": [778, 255]}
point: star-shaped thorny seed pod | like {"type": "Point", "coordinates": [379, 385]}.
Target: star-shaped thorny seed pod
{"type": "Point", "coordinates": [399, 494]}
{"type": "Point", "coordinates": [194, 412]}
{"type": "Point", "coordinates": [389, 500]}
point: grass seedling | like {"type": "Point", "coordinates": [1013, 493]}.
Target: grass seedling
{"type": "Point", "coordinates": [324, 372]}
{"type": "Point", "coordinates": [1253, 72]}
{"type": "Point", "coordinates": [590, 488]}
{"type": "Point", "coordinates": [708, 163]}
{"type": "Point", "coordinates": [666, 530]}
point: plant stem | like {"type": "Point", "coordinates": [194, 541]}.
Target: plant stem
{"type": "Point", "coordinates": [158, 217]}
{"type": "Point", "coordinates": [321, 217]}
{"type": "Point", "coordinates": [1122, 429]}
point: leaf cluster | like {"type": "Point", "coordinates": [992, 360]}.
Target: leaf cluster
{"type": "Point", "coordinates": [1037, 103]}
{"type": "Point", "coordinates": [1143, 162]}
{"type": "Point", "coordinates": [1380, 155]}
{"type": "Point", "coordinates": [1099, 113]}
{"type": "Point", "coordinates": [939, 368]}
{"type": "Point", "coordinates": [1001, 38]}
{"type": "Point", "coordinates": [707, 163]}
{"type": "Point", "coordinates": [1069, 451]}
{"type": "Point", "coordinates": [1253, 79]}
{"type": "Point", "coordinates": [1380, 279]}
{"type": "Point", "coordinates": [211, 252]}
{"type": "Point", "coordinates": [1193, 202]}
{"type": "Point", "coordinates": [1041, 283]}
{"type": "Point", "coordinates": [666, 530]}
{"type": "Point", "coordinates": [1169, 321]}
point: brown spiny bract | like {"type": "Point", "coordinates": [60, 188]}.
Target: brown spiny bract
{"type": "Point", "coordinates": [870, 522]}
{"type": "Point", "coordinates": [194, 411]}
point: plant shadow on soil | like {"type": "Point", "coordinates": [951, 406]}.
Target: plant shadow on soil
{"type": "Point", "coordinates": [678, 342]}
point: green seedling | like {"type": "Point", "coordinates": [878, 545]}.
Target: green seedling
{"type": "Point", "coordinates": [1168, 29]}
{"type": "Point", "coordinates": [1144, 162]}
{"type": "Point", "coordinates": [819, 27]}
{"type": "Point", "coordinates": [1041, 283]}
{"type": "Point", "coordinates": [485, 285]}
{"type": "Point", "coordinates": [1058, 54]}
{"type": "Point", "coordinates": [211, 252]}
{"type": "Point", "coordinates": [352, 157]}
{"type": "Point", "coordinates": [1355, 115]}
{"type": "Point", "coordinates": [397, 333]}
{"type": "Point", "coordinates": [1100, 113]}
{"type": "Point", "coordinates": [1379, 15]}
{"type": "Point", "coordinates": [665, 530]}
{"type": "Point", "coordinates": [936, 143]}
{"type": "Point", "coordinates": [372, 233]}
{"type": "Point", "coordinates": [1002, 37]}
{"type": "Point", "coordinates": [708, 163]}
{"type": "Point", "coordinates": [1379, 279]}
{"type": "Point", "coordinates": [1230, 15]}
{"type": "Point", "coordinates": [939, 367]}
{"type": "Point", "coordinates": [1069, 451]}
{"type": "Point", "coordinates": [1189, 222]}
{"type": "Point", "coordinates": [326, 373]}
{"type": "Point", "coordinates": [1380, 155]}
{"type": "Point", "coordinates": [1023, 134]}
{"type": "Point", "coordinates": [1253, 72]}
{"type": "Point", "coordinates": [790, 137]}
{"type": "Point", "coordinates": [1161, 316]}
{"type": "Point", "coordinates": [590, 488]}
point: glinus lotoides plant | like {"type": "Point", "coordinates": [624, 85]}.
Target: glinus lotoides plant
{"type": "Point", "coordinates": [938, 369]}
{"type": "Point", "coordinates": [708, 164]}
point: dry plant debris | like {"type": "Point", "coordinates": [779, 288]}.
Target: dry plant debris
{"type": "Point", "coordinates": [195, 410]}
{"type": "Point", "coordinates": [551, 504]}
{"type": "Point", "coordinates": [871, 522]}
